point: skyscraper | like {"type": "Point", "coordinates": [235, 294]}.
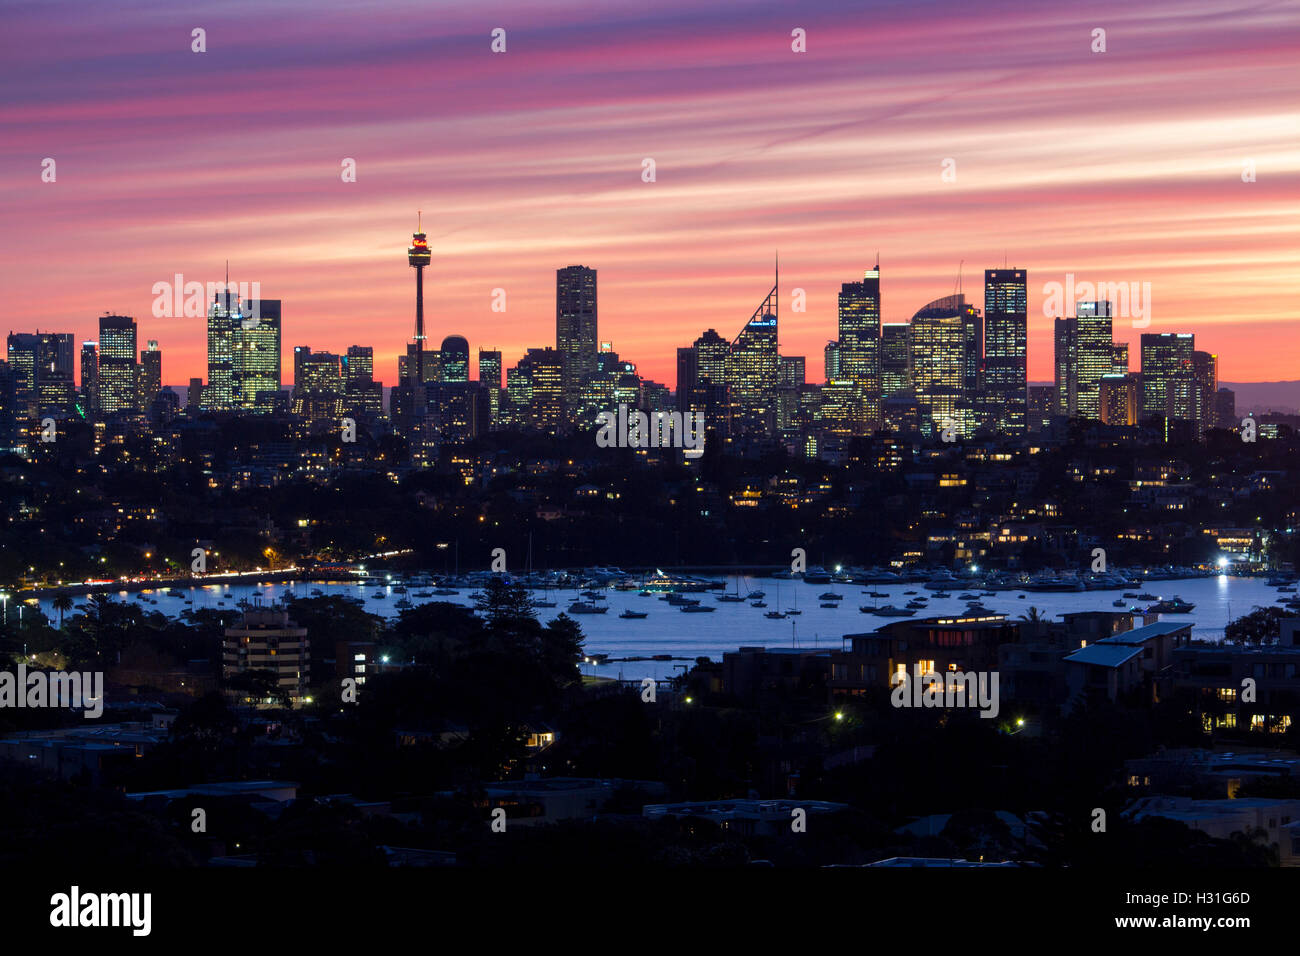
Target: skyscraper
{"type": "Point", "coordinates": [90, 379]}
{"type": "Point", "coordinates": [255, 356]}
{"type": "Point", "coordinates": [1065, 338]}
{"type": "Point", "coordinates": [489, 373]}
{"type": "Point", "coordinates": [575, 329]}
{"type": "Point", "coordinates": [454, 359]}
{"type": "Point", "coordinates": [317, 385]}
{"type": "Point", "coordinates": [895, 358]}
{"type": "Point", "coordinates": [41, 365]}
{"type": "Point", "coordinates": [1168, 378]}
{"type": "Point", "coordinates": [1117, 399]}
{"type": "Point", "coordinates": [150, 374]}
{"type": "Point", "coordinates": [1096, 355]}
{"type": "Point", "coordinates": [940, 366]}
{"type": "Point", "coordinates": [117, 364]}
{"type": "Point", "coordinates": [1005, 334]}
{"type": "Point", "coordinates": [1205, 369]}
{"type": "Point", "coordinates": [223, 316]}
{"type": "Point", "coordinates": [859, 338]}
{"type": "Point", "coordinates": [752, 371]}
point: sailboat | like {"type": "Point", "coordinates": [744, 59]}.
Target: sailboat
{"type": "Point", "coordinates": [795, 610]}
{"type": "Point", "coordinates": [735, 597]}
{"type": "Point", "coordinates": [546, 593]}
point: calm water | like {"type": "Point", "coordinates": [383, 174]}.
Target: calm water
{"type": "Point", "coordinates": [666, 630]}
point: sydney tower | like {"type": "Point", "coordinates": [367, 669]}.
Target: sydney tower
{"type": "Point", "coordinates": [418, 256]}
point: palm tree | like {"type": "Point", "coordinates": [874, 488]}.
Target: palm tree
{"type": "Point", "coordinates": [1034, 616]}
{"type": "Point", "coordinates": [61, 603]}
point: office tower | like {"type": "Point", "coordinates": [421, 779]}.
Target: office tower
{"type": "Point", "coordinates": [1225, 408]}
{"type": "Point", "coordinates": [895, 358]}
{"type": "Point", "coordinates": [489, 373]}
{"type": "Point", "coordinates": [150, 374]}
{"type": "Point", "coordinates": [363, 397]}
{"type": "Point", "coordinates": [418, 255]}
{"type": "Point", "coordinates": [831, 364]}
{"type": "Point", "coordinates": [1168, 377]}
{"type": "Point", "coordinates": [194, 397]}
{"type": "Point", "coordinates": [1065, 338]}
{"type": "Point", "coordinates": [1119, 358]}
{"type": "Point", "coordinates": [575, 328]}
{"type": "Point", "coordinates": [359, 364]}
{"type": "Point", "coordinates": [1006, 330]}
{"type": "Point", "coordinates": [791, 378]}
{"type": "Point", "coordinates": [1096, 355]}
{"type": "Point", "coordinates": [89, 379]}
{"type": "Point", "coordinates": [841, 417]}
{"type": "Point", "coordinates": [688, 378]}
{"type": "Point", "coordinates": [712, 391]}
{"type": "Point", "coordinates": [1205, 371]}
{"type": "Point", "coordinates": [859, 339]}
{"type": "Point", "coordinates": [317, 385]}
{"type": "Point", "coordinates": [24, 354]}
{"type": "Point", "coordinates": [752, 370]}
{"type": "Point", "coordinates": [9, 410]}
{"type": "Point", "coordinates": [546, 383]}
{"type": "Point", "coordinates": [223, 316]}
{"type": "Point", "coordinates": [255, 356]}
{"type": "Point", "coordinates": [1117, 399]}
{"type": "Point", "coordinates": [453, 359]}
{"type": "Point", "coordinates": [940, 341]}
{"type": "Point", "coordinates": [41, 365]}
{"type": "Point", "coordinates": [1041, 405]}
{"type": "Point", "coordinates": [517, 407]}
{"type": "Point", "coordinates": [972, 331]}
{"type": "Point", "coordinates": [117, 366]}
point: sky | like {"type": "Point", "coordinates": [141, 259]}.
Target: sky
{"type": "Point", "coordinates": [945, 137]}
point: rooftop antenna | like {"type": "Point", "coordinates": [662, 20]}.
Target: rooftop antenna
{"type": "Point", "coordinates": [959, 265]}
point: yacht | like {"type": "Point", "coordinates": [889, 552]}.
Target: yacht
{"type": "Point", "coordinates": [578, 607]}
{"type": "Point", "coordinates": [774, 615]}
{"type": "Point", "coordinates": [1175, 605]}
{"type": "Point", "coordinates": [697, 608]}
{"type": "Point", "coordinates": [631, 615]}
{"type": "Point", "coordinates": [888, 611]}
{"type": "Point", "coordinates": [830, 596]}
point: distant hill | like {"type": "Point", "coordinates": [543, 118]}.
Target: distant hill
{"type": "Point", "coordinates": [1266, 396]}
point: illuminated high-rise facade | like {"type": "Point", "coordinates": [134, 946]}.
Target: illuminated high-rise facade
{"type": "Point", "coordinates": [255, 355]}
{"type": "Point", "coordinates": [150, 374]}
{"type": "Point", "coordinates": [1095, 357]}
{"type": "Point", "coordinates": [117, 364]}
{"type": "Point", "coordinates": [895, 358]}
{"type": "Point", "coordinates": [1005, 336]}
{"type": "Point", "coordinates": [752, 374]}
{"type": "Point", "coordinates": [859, 340]}
{"type": "Point", "coordinates": [489, 373]}
{"type": "Point", "coordinates": [1065, 339]}
{"type": "Point", "coordinates": [454, 359]}
{"type": "Point", "coordinates": [940, 367]}
{"type": "Point", "coordinates": [576, 329]}
{"type": "Point", "coordinates": [1205, 370]}
{"type": "Point", "coordinates": [90, 379]}
{"type": "Point", "coordinates": [1168, 375]}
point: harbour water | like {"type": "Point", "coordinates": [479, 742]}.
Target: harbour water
{"type": "Point", "coordinates": [666, 630]}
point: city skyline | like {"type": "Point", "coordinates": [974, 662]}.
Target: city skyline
{"type": "Point", "coordinates": [828, 157]}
